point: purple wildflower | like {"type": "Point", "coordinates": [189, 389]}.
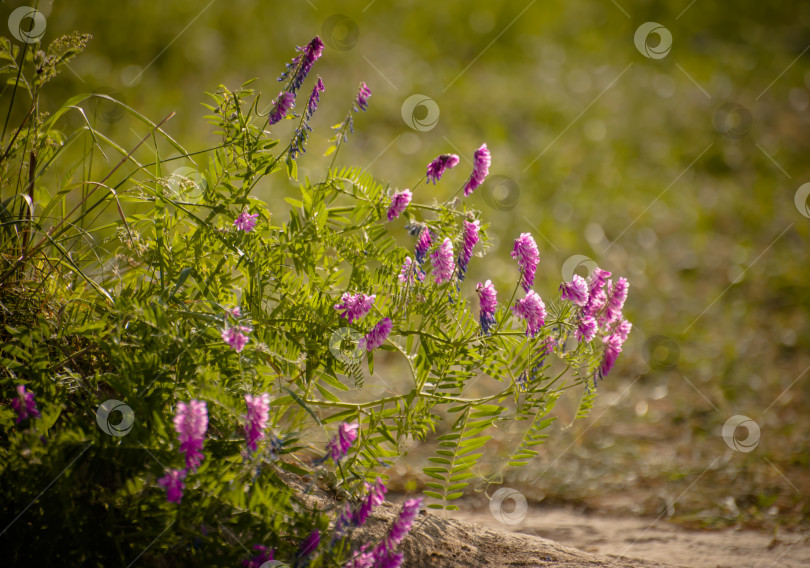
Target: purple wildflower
{"type": "Point", "coordinates": [525, 251]}
{"type": "Point", "coordinates": [377, 335]}
{"type": "Point", "coordinates": [623, 329]}
{"type": "Point", "coordinates": [191, 423]}
{"type": "Point", "coordinates": [314, 98]}
{"type": "Point", "coordinates": [258, 412]}
{"type": "Point", "coordinates": [438, 166]}
{"type": "Point", "coordinates": [615, 303]}
{"type": "Point", "coordinates": [234, 313]}
{"type": "Point", "coordinates": [362, 97]}
{"type": "Point", "coordinates": [263, 555]}
{"type": "Point", "coordinates": [586, 329]}
{"type": "Point", "coordinates": [310, 544]}
{"type": "Point", "coordinates": [343, 440]}
{"type": "Point", "coordinates": [533, 310]}
{"type": "Point", "coordinates": [173, 482]}
{"type": "Point", "coordinates": [355, 307]}
{"type": "Point", "coordinates": [442, 259]}
{"type": "Point", "coordinates": [422, 245]}
{"type": "Point", "coordinates": [303, 63]}
{"type": "Point", "coordinates": [399, 530]}
{"type": "Point", "coordinates": [489, 300]}
{"type": "Point", "coordinates": [235, 337]}
{"type": "Point", "coordinates": [389, 560]}
{"type": "Point", "coordinates": [470, 238]}
{"type": "Point", "coordinates": [575, 291]}
{"type": "Point", "coordinates": [246, 222]}
{"type": "Point", "coordinates": [482, 161]}
{"type": "Point", "coordinates": [374, 497]}
{"type": "Point", "coordinates": [361, 558]}
{"type": "Point", "coordinates": [25, 405]}
{"type": "Point", "coordinates": [613, 346]}
{"type": "Point", "coordinates": [410, 272]}
{"type": "Point", "coordinates": [281, 107]}
{"type": "Point", "coordinates": [399, 202]}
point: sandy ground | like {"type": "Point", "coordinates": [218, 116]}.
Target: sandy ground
{"type": "Point", "coordinates": [646, 539]}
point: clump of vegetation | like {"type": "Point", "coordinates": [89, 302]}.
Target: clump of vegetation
{"type": "Point", "coordinates": [173, 355]}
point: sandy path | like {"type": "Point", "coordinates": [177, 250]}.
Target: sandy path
{"type": "Point", "coordinates": [656, 541]}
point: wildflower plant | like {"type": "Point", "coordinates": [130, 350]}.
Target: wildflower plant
{"type": "Point", "coordinates": [232, 405]}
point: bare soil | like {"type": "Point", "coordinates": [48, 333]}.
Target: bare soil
{"type": "Point", "coordinates": [630, 541]}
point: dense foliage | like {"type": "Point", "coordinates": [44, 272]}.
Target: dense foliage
{"type": "Point", "coordinates": [166, 372]}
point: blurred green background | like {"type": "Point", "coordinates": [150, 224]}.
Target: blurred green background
{"type": "Point", "coordinates": [679, 172]}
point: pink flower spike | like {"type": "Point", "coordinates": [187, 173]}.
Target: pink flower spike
{"type": "Point", "coordinates": [173, 482]}
{"type": "Point", "coordinates": [617, 298]}
{"type": "Point", "coordinates": [586, 329]}
{"type": "Point", "coordinates": [281, 107]}
{"type": "Point", "coordinates": [355, 307]}
{"type": "Point", "coordinates": [488, 298]}
{"type": "Point", "coordinates": [575, 291]}
{"type": "Point", "coordinates": [339, 446]}
{"type": "Point", "coordinates": [613, 346]}
{"type": "Point", "coordinates": [235, 337]}
{"type": "Point", "coordinates": [234, 313]}
{"type": "Point", "coordinates": [374, 497]}
{"type": "Point", "coordinates": [361, 558]}
{"type": "Point", "coordinates": [258, 412]}
{"type": "Point", "coordinates": [410, 272]}
{"type": "Point", "coordinates": [377, 335]}
{"type": "Point", "coordinates": [362, 97]}
{"type": "Point", "coordinates": [24, 405]}
{"type": "Point", "coordinates": [246, 222]}
{"type": "Point", "coordinates": [423, 244]}
{"type": "Point", "coordinates": [470, 238]}
{"type": "Point", "coordinates": [191, 424]}
{"type": "Point", "coordinates": [442, 259]}
{"type": "Point", "coordinates": [525, 252]}
{"type": "Point", "coordinates": [533, 310]}
{"type": "Point", "coordinates": [482, 160]}
{"type": "Point", "coordinates": [623, 329]}
{"type": "Point", "coordinates": [437, 167]}
{"type": "Point", "coordinates": [402, 526]}
{"type": "Point", "coordinates": [398, 203]}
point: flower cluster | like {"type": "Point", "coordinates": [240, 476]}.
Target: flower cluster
{"type": "Point", "coordinates": [470, 238]}
{"type": "Point", "coordinates": [422, 245]}
{"type": "Point", "coordinates": [281, 106]}
{"type": "Point", "coordinates": [601, 303]}
{"type": "Point", "coordinates": [385, 554]}
{"type": "Point", "coordinates": [489, 301]}
{"type": "Point", "coordinates": [482, 161]}
{"type": "Point", "coordinates": [236, 337]}
{"type": "Point", "coordinates": [361, 100]}
{"type": "Point", "coordinates": [354, 307]}
{"type": "Point", "coordinates": [525, 252]}
{"type": "Point", "coordinates": [442, 260]}
{"type": "Point", "coordinates": [377, 336]}
{"type": "Point", "coordinates": [575, 291]}
{"type": "Point", "coordinates": [533, 310]}
{"type": "Point", "coordinates": [301, 65]}
{"type": "Point", "coordinates": [411, 272]}
{"type": "Point", "coordinates": [339, 445]}
{"type": "Point", "coordinates": [245, 221]}
{"type": "Point", "coordinates": [399, 202]}
{"type": "Point", "coordinates": [191, 424]}
{"type": "Point", "coordinates": [299, 139]}
{"type": "Point", "coordinates": [258, 412]}
{"type": "Point", "coordinates": [24, 404]}
{"type": "Point", "coordinates": [438, 166]}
